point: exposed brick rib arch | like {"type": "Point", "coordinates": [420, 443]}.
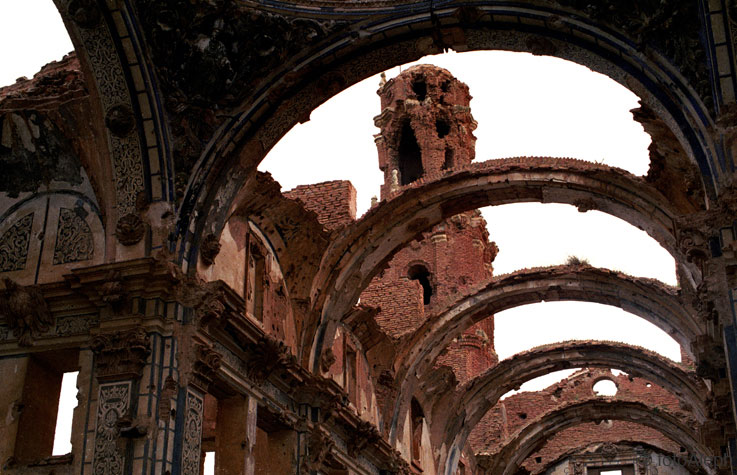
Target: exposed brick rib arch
{"type": "Point", "coordinates": [375, 40]}
{"type": "Point", "coordinates": [482, 393]}
{"type": "Point", "coordinates": [524, 442]}
{"type": "Point", "coordinates": [653, 301]}
{"type": "Point", "coordinates": [650, 299]}
{"type": "Point", "coordinates": [362, 250]}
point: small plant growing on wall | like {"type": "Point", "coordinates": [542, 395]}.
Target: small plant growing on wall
{"type": "Point", "coordinates": [577, 261]}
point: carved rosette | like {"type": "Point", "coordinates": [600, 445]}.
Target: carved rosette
{"type": "Point", "coordinates": [119, 119]}
{"type": "Point", "coordinates": [130, 229]}
{"type": "Point", "coordinates": [121, 355]}
{"type": "Point", "coordinates": [209, 249]}
{"type": "Point", "coordinates": [609, 451]}
{"type": "Point", "coordinates": [25, 311]}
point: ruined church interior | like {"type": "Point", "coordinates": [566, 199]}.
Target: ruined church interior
{"type": "Point", "coordinates": [190, 314]}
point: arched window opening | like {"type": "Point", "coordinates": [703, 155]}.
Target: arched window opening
{"type": "Point", "coordinates": [419, 87]}
{"type": "Point", "coordinates": [442, 127]}
{"type": "Point", "coordinates": [449, 161]}
{"type": "Point", "coordinates": [417, 417]}
{"type": "Point", "coordinates": [410, 157]}
{"type": "Point", "coordinates": [256, 273]}
{"type": "Point", "coordinates": [422, 275]}
{"type": "Point", "coordinates": [350, 378]}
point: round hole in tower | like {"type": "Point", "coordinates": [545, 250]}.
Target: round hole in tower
{"type": "Point", "coordinates": [442, 127]}
{"type": "Point", "coordinates": [419, 87]}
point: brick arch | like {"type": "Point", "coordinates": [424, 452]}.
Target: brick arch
{"type": "Point", "coordinates": [361, 251]}
{"type": "Point", "coordinates": [378, 39]}
{"type": "Point", "coordinates": [481, 394]}
{"type": "Point", "coordinates": [653, 301]}
{"type": "Point", "coordinates": [524, 442]}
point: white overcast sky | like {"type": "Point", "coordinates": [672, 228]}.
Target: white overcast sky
{"type": "Point", "coordinates": [524, 106]}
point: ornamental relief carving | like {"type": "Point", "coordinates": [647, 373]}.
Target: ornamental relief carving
{"type": "Point", "coordinates": [74, 241]}
{"type": "Point", "coordinates": [14, 245]}
{"type": "Point", "coordinates": [192, 435]}
{"type": "Point", "coordinates": [121, 355]}
{"type": "Point", "coordinates": [77, 325]}
{"type": "Point", "coordinates": [114, 95]}
{"type": "Point", "coordinates": [113, 403]}
{"type": "Point", "coordinates": [25, 311]}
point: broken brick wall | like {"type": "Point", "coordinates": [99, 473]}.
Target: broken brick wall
{"type": "Point", "coordinates": [514, 412]}
{"type": "Point", "coordinates": [584, 434]}
{"type": "Point", "coordinates": [334, 202]}
{"type": "Point", "coordinates": [426, 126]}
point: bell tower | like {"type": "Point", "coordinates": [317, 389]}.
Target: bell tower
{"type": "Point", "coordinates": [426, 130]}
{"type": "Point", "coordinates": [426, 126]}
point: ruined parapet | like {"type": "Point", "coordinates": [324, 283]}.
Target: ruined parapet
{"type": "Point", "coordinates": [426, 126]}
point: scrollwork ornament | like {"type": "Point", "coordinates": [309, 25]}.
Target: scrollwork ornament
{"type": "Point", "coordinates": [192, 435]}
{"type": "Point", "coordinates": [113, 403]}
{"type": "Point", "coordinates": [74, 242]}
{"type": "Point", "coordinates": [14, 245]}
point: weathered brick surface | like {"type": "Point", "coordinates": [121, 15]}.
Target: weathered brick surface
{"type": "Point", "coordinates": [334, 202]}
{"type": "Point", "coordinates": [457, 253]}
{"type": "Point", "coordinates": [472, 353]}
{"type": "Point", "coordinates": [585, 434]}
{"type": "Point", "coordinates": [427, 108]}
{"type": "Point", "coordinates": [514, 412]}
{"type": "Point", "coordinates": [400, 301]}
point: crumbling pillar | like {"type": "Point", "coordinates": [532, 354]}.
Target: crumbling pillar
{"type": "Point", "coordinates": [236, 436]}
{"type": "Point", "coordinates": [12, 371]}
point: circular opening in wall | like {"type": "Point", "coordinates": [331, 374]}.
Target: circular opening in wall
{"type": "Point", "coordinates": [605, 387]}
{"type": "Point", "coordinates": [523, 415]}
